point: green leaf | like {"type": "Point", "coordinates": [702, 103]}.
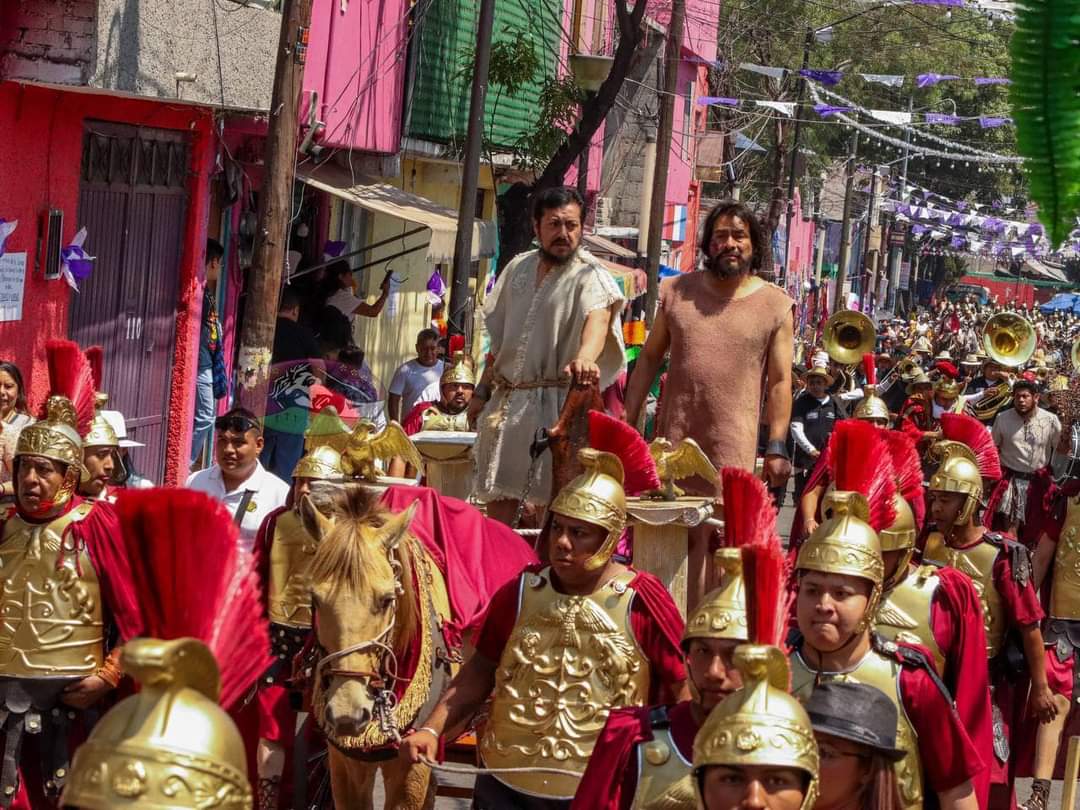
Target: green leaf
{"type": "Point", "coordinates": [1045, 97]}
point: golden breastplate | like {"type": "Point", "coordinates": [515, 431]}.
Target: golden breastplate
{"type": "Point", "coordinates": [883, 674]}
{"type": "Point", "coordinates": [568, 662]}
{"type": "Point", "coordinates": [52, 619]}
{"type": "Point", "coordinates": [434, 419]}
{"type": "Point", "coordinates": [1065, 590]}
{"type": "Point", "coordinates": [663, 775]}
{"type": "Point", "coordinates": [978, 563]}
{"type": "Point", "coordinates": [289, 591]}
{"type": "Point", "coordinates": [904, 614]}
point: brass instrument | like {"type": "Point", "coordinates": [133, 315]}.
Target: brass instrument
{"type": "Point", "coordinates": [847, 336]}
{"type": "Point", "coordinates": [1009, 339]}
{"type": "Point", "coordinates": [905, 371]}
{"type": "Point", "coordinates": [993, 399]}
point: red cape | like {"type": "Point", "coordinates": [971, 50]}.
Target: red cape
{"type": "Point", "coordinates": [415, 420]}
{"type": "Point", "coordinates": [610, 779]}
{"type": "Point", "coordinates": [476, 554]}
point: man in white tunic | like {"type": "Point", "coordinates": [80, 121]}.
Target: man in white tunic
{"type": "Point", "coordinates": [553, 319]}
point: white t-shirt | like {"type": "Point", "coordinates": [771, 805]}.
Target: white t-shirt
{"type": "Point", "coordinates": [416, 383]}
{"type": "Point", "coordinates": [268, 493]}
{"type": "Point", "coordinates": [345, 301]}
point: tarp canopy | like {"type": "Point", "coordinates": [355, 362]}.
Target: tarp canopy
{"type": "Point", "coordinates": [382, 198]}
{"type": "Point", "coordinates": [631, 280]}
{"type": "Point", "coordinates": [599, 244]}
{"type": "Point", "coordinates": [1062, 302]}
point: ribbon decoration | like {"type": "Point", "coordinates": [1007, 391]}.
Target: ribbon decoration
{"type": "Point", "coordinates": [992, 121]}
{"type": "Point", "coordinates": [436, 288]}
{"type": "Point", "coordinates": [825, 110]}
{"type": "Point", "coordinates": [784, 107]}
{"type": "Point", "coordinates": [929, 79]}
{"type": "Point", "coordinates": [891, 116]}
{"type": "Point", "coordinates": [982, 81]}
{"type": "Point", "coordinates": [826, 77]}
{"type": "Point", "coordinates": [333, 249]}
{"type": "Point", "coordinates": [941, 118]}
{"type": "Point", "coordinates": [883, 78]}
{"type": "Point", "coordinates": [727, 102]}
{"type": "Point", "coordinates": [6, 229]}
{"type": "Point", "coordinates": [771, 72]}
{"type": "Point", "coordinates": [75, 263]}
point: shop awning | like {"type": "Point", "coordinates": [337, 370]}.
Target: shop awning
{"type": "Point", "coordinates": [599, 244]}
{"type": "Point", "coordinates": [382, 198]}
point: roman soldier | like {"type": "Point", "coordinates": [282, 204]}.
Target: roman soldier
{"type": "Point", "coordinates": [643, 756]}
{"type": "Point", "coordinates": [101, 459]}
{"type": "Point", "coordinates": [916, 417]}
{"type": "Point", "coordinates": [840, 574]}
{"type": "Point", "coordinates": [1058, 557]}
{"type": "Point", "coordinates": [67, 591]}
{"type": "Point", "coordinates": [202, 640]}
{"type": "Point", "coordinates": [455, 391]}
{"type": "Point", "coordinates": [561, 645]}
{"type": "Point", "coordinates": [284, 549]}
{"type": "Point", "coordinates": [757, 748]}
{"type": "Point", "coordinates": [937, 609]}
{"type": "Point", "coordinates": [1000, 569]}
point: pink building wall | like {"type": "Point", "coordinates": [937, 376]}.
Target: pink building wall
{"type": "Point", "coordinates": [356, 63]}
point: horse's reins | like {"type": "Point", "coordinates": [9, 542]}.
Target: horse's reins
{"type": "Point", "coordinates": [386, 676]}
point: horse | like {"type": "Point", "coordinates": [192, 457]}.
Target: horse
{"type": "Point", "coordinates": [380, 605]}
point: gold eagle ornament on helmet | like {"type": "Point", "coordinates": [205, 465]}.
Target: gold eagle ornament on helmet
{"type": "Point", "coordinates": [760, 725]}
{"type": "Point", "coordinates": [327, 428]}
{"type": "Point", "coordinates": [365, 447]}
{"type": "Point", "coordinates": [673, 463]}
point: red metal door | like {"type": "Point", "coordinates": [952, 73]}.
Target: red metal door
{"type": "Point", "coordinates": [133, 203]}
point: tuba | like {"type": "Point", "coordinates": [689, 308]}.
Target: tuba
{"type": "Point", "coordinates": [1009, 339]}
{"type": "Point", "coordinates": [847, 336]}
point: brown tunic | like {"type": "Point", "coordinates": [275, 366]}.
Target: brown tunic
{"type": "Point", "coordinates": [716, 375]}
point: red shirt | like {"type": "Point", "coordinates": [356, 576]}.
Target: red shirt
{"type": "Point", "coordinates": [1022, 606]}
{"type": "Point", "coordinates": [414, 421]}
{"type": "Point", "coordinates": [654, 621]}
{"type": "Point", "coordinates": [610, 780]}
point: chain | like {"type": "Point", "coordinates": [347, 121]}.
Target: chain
{"type": "Point", "coordinates": [525, 493]}
{"type": "Point", "coordinates": [472, 770]}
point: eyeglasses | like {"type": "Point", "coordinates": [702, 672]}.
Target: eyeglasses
{"type": "Point", "coordinates": [235, 424]}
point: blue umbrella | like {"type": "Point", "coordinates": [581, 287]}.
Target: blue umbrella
{"type": "Point", "coordinates": [1062, 302]}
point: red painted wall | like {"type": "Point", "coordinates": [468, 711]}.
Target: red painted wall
{"type": "Point", "coordinates": [41, 132]}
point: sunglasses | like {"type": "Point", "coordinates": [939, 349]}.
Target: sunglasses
{"type": "Point", "coordinates": [235, 424]}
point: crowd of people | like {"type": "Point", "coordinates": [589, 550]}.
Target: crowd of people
{"type": "Point", "coordinates": [911, 642]}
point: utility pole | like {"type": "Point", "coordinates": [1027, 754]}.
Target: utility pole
{"type": "Point", "coordinates": [470, 177]}
{"type": "Point", "coordinates": [672, 58]}
{"type": "Point", "coordinates": [840, 300]}
{"type": "Point", "coordinates": [275, 208]}
{"type": "Point", "coordinates": [794, 155]}
{"type": "Point", "coordinates": [896, 251]}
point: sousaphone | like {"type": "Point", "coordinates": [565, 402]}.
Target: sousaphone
{"type": "Point", "coordinates": [1009, 339]}
{"type": "Point", "coordinates": [847, 336]}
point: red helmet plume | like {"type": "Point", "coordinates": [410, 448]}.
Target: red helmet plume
{"type": "Point", "coordinates": [959, 427]}
{"type": "Point", "coordinates": [612, 435]}
{"type": "Point", "coordinates": [859, 462]}
{"type": "Point", "coordinates": [70, 376]}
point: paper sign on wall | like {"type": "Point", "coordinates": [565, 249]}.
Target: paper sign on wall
{"type": "Point", "coordinates": [12, 284]}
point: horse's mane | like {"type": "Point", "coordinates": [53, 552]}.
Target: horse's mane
{"type": "Point", "coordinates": [348, 554]}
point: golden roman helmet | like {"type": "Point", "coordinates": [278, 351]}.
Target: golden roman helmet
{"type": "Point", "coordinates": [169, 747]}
{"type": "Point", "coordinates": [900, 535]}
{"type": "Point", "coordinates": [872, 407]}
{"type": "Point", "coordinates": [722, 614]}
{"type": "Point", "coordinates": [322, 463]}
{"type": "Point", "coordinates": [957, 471]}
{"type": "Point", "coordinates": [760, 724]}
{"type": "Point", "coordinates": [101, 433]}
{"type": "Point", "coordinates": [845, 543]}
{"type": "Point", "coordinates": [55, 437]}
{"type": "Point", "coordinates": [596, 496]}
{"type": "Point", "coordinates": [459, 371]}
{"type": "Point", "coordinates": [949, 389]}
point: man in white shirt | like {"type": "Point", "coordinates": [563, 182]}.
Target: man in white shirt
{"type": "Point", "coordinates": [416, 380]}
{"type": "Point", "coordinates": [1026, 436]}
{"type": "Point", "coordinates": [237, 479]}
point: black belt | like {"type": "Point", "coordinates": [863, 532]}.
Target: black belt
{"type": "Point", "coordinates": [1022, 476]}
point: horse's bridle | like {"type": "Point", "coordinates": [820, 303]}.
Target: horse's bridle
{"type": "Point", "coordinates": [380, 681]}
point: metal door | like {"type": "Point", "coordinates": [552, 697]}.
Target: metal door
{"type": "Point", "coordinates": [133, 203]}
